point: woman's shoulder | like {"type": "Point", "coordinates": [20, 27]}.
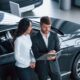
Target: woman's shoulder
{"type": "Point", "coordinates": [19, 39]}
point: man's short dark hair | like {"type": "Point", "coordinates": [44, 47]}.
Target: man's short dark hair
{"type": "Point", "coordinates": [45, 20]}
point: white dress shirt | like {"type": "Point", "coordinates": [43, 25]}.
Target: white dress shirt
{"type": "Point", "coordinates": [22, 51]}
{"type": "Point", "coordinates": [45, 38]}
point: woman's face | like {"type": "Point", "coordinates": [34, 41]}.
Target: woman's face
{"type": "Point", "coordinates": [29, 28]}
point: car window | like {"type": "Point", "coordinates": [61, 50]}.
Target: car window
{"type": "Point", "coordinates": [2, 36]}
{"type": "Point", "coordinates": [11, 32]}
{"type": "Point", "coordinates": [5, 44]}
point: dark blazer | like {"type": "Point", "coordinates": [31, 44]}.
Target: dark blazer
{"type": "Point", "coordinates": [39, 48]}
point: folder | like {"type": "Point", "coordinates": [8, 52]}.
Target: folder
{"type": "Point", "coordinates": [44, 57]}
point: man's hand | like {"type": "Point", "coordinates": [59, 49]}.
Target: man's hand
{"type": "Point", "coordinates": [52, 51]}
{"type": "Point", "coordinates": [32, 64]}
{"type": "Point", "coordinates": [52, 57]}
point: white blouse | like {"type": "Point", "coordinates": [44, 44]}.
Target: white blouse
{"type": "Point", "coordinates": [22, 51]}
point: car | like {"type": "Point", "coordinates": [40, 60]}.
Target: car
{"type": "Point", "coordinates": [69, 37]}
{"type": "Point", "coordinates": [22, 3]}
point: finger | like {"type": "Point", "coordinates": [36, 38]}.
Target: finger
{"type": "Point", "coordinates": [32, 66]}
{"type": "Point", "coordinates": [53, 57]}
{"type": "Point", "coordinates": [48, 58]}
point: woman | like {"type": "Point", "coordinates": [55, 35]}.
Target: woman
{"type": "Point", "coordinates": [24, 57]}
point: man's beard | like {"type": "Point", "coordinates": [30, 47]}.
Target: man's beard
{"type": "Point", "coordinates": [45, 32]}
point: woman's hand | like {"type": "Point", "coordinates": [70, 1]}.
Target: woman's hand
{"type": "Point", "coordinates": [32, 64]}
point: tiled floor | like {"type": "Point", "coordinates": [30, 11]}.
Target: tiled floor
{"type": "Point", "coordinates": [51, 8]}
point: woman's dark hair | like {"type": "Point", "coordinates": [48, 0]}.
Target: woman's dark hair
{"type": "Point", "coordinates": [22, 27]}
{"type": "Point", "coordinates": [46, 20]}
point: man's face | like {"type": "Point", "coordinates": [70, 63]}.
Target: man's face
{"type": "Point", "coordinates": [45, 28]}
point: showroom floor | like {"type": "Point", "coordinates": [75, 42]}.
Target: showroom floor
{"type": "Point", "coordinates": [51, 8]}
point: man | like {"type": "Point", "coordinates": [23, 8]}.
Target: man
{"type": "Point", "coordinates": [46, 42]}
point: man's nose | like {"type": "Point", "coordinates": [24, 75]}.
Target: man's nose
{"type": "Point", "coordinates": [47, 28]}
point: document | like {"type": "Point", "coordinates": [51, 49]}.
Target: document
{"type": "Point", "coordinates": [43, 57]}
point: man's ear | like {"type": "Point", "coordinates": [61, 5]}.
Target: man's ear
{"type": "Point", "coordinates": [40, 24]}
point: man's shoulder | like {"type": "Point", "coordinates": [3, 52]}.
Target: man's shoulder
{"type": "Point", "coordinates": [53, 33]}
{"type": "Point", "coordinates": [36, 36]}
